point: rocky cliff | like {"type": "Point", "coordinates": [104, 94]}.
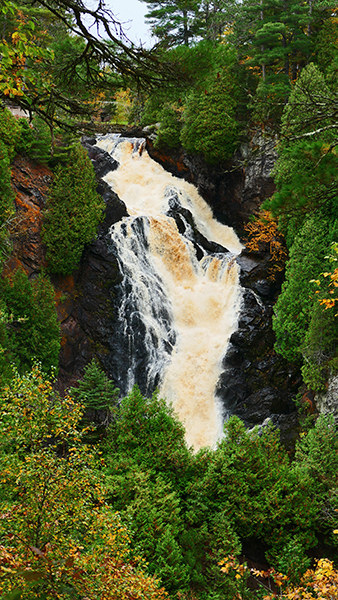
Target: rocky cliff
{"type": "Point", "coordinates": [256, 384]}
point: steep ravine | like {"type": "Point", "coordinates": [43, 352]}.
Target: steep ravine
{"type": "Point", "coordinates": [256, 383]}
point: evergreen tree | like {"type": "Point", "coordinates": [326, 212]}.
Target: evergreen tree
{"type": "Point", "coordinates": [74, 210]}
{"type": "Point", "coordinates": [173, 21]}
{"type": "Point", "coordinates": [95, 390]}
{"type": "Point", "coordinates": [293, 308]}
{"type": "Point", "coordinates": [319, 347]}
{"type": "Point", "coordinates": [34, 330]}
{"type": "Point", "coordinates": [99, 396]}
{"type": "Point", "coordinates": [210, 125]}
{"type": "Point", "coordinates": [216, 17]}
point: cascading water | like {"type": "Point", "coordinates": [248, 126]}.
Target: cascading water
{"type": "Point", "coordinates": [180, 293]}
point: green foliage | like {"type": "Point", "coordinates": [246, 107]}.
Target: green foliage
{"type": "Point", "coordinates": [326, 47]}
{"type": "Point", "coordinates": [9, 134]}
{"type": "Point", "coordinates": [59, 538]}
{"type": "Point", "coordinates": [249, 479]}
{"type": "Point", "coordinates": [316, 459]}
{"type": "Point", "coordinates": [210, 126]}
{"type": "Point", "coordinates": [95, 390]}
{"type": "Point", "coordinates": [9, 131]}
{"type": "Point", "coordinates": [148, 467]}
{"type": "Point", "coordinates": [293, 308]}
{"type": "Point", "coordinates": [306, 170]}
{"type": "Point", "coordinates": [319, 346]}
{"type": "Point", "coordinates": [152, 510]}
{"type": "Point", "coordinates": [293, 561]}
{"type": "Point", "coordinates": [173, 22]}
{"type": "Point", "coordinates": [148, 433]}
{"type": "Point", "coordinates": [5, 355]}
{"type": "Point", "coordinates": [99, 396]}
{"type": "Point", "coordinates": [6, 202]}
{"type": "Point", "coordinates": [35, 140]}
{"type": "Point", "coordinates": [168, 135]}
{"type": "Point", "coordinates": [74, 210]}
{"type": "Point", "coordinates": [34, 332]}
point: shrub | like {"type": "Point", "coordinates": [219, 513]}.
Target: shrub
{"type": "Point", "coordinates": [264, 236]}
{"type": "Point", "coordinates": [74, 210]}
{"type": "Point", "coordinates": [34, 332]}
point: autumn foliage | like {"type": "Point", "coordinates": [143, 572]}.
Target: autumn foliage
{"type": "Point", "coordinates": [58, 537]}
{"type": "Point", "coordinates": [318, 583]}
{"type": "Point", "coordinates": [331, 283]}
{"type": "Point", "coordinates": [263, 235]}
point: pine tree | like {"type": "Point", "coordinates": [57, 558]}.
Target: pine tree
{"type": "Point", "coordinates": [95, 390]}
{"type": "Point", "coordinates": [74, 210]}
{"type": "Point", "coordinates": [293, 308]}
{"type": "Point", "coordinates": [210, 125]}
{"type": "Point", "coordinates": [173, 21]}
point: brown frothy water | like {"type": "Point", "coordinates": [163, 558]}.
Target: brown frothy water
{"type": "Point", "coordinates": [204, 295]}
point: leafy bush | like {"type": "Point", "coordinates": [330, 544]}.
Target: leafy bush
{"type": "Point", "coordinates": [34, 332]}
{"type": "Point", "coordinates": [263, 236]}
{"type": "Point", "coordinates": [74, 210]}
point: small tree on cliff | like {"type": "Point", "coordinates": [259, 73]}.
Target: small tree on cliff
{"type": "Point", "coordinates": [74, 210]}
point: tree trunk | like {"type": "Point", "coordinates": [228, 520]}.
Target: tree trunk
{"type": "Point", "coordinates": [185, 28]}
{"type": "Point", "coordinates": [262, 46]}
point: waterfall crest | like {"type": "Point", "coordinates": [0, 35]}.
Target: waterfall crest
{"type": "Point", "coordinates": [180, 289]}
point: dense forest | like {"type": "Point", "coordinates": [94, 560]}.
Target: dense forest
{"type": "Point", "coordinates": [101, 498]}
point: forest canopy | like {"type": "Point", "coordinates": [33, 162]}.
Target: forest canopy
{"type": "Point", "coordinates": [101, 497]}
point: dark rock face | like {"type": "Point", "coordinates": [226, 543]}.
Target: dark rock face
{"type": "Point", "coordinates": [88, 322]}
{"type": "Point", "coordinates": [235, 189]}
{"type": "Point", "coordinates": [31, 184]}
{"type": "Point", "coordinates": [257, 383]}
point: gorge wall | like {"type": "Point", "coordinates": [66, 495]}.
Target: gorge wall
{"type": "Point", "coordinates": [255, 383]}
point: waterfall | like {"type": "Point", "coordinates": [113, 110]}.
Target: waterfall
{"type": "Point", "coordinates": [180, 293]}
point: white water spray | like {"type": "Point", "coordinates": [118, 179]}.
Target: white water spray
{"type": "Point", "coordinates": [188, 307]}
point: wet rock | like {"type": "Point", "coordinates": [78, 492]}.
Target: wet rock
{"type": "Point", "coordinates": [257, 383]}
{"type": "Point", "coordinates": [103, 163]}
{"type": "Point", "coordinates": [234, 189]}
{"type": "Point", "coordinates": [186, 226]}
{"type": "Point", "coordinates": [31, 185]}
{"type": "Point", "coordinates": [262, 287]}
{"type": "Point", "coordinates": [327, 402]}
